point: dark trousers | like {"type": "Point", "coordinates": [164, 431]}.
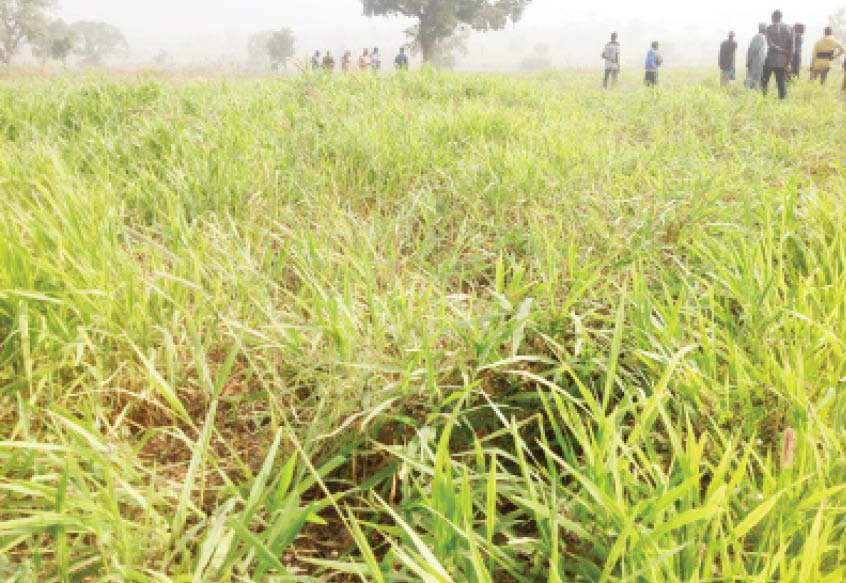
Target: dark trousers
{"type": "Point", "coordinates": [651, 78]}
{"type": "Point", "coordinates": [822, 74]}
{"type": "Point", "coordinates": [781, 80]}
{"type": "Point", "coordinates": [610, 75]}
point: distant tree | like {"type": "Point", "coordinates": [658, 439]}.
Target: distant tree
{"type": "Point", "coordinates": [21, 21]}
{"type": "Point", "coordinates": [56, 43]}
{"type": "Point", "coordinates": [271, 47]}
{"type": "Point", "coordinates": [280, 47]}
{"type": "Point", "coordinates": [538, 60]}
{"type": "Point", "coordinates": [439, 20]}
{"type": "Point", "coordinates": [99, 41]}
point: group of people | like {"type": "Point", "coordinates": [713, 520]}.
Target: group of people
{"type": "Point", "coordinates": [776, 51]}
{"type": "Point", "coordinates": [368, 61]}
{"type": "Point", "coordinates": [611, 55]}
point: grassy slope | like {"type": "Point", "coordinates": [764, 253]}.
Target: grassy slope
{"type": "Point", "coordinates": [224, 300]}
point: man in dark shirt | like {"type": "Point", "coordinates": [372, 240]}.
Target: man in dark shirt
{"type": "Point", "coordinates": [728, 51]}
{"type": "Point", "coordinates": [328, 62]}
{"type": "Point", "coordinates": [401, 62]}
{"type": "Point", "coordinates": [779, 54]}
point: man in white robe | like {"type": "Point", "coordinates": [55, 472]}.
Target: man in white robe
{"type": "Point", "coordinates": [756, 56]}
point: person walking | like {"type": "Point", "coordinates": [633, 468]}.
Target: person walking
{"type": "Point", "coordinates": [727, 60]}
{"type": "Point", "coordinates": [401, 62]}
{"type": "Point", "coordinates": [826, 50]}
{"type": "Point", "coordinates": [315, 61]}
{"type": "Point", "coordinates": [364, 61]}
{"type": "Point", "coordinates": [376, 59]}
{"type": "Point", "coordinates": [611, 54]}
{"type": "Point", "coordinates": [346, 62]}
{"type": "Point", "coordinates": [329, 62]}
{"type": "Point", "coordinates": [756, 55]}
{"type": "Point", "coordinates": [654, 60]}
{"type": "Point", "coordinates": [798, 41]}
{"type": "Point", "coordinates": [779, 55]}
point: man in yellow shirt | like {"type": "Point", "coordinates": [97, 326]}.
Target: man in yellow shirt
{"type": "Point", "coordinates": [825, 51]}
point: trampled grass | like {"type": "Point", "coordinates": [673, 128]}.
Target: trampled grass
{"type": "Point", "coordinates": [426, 328]}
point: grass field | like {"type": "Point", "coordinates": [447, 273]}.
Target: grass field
{"type": "Point", "coordinates": [438, 328]}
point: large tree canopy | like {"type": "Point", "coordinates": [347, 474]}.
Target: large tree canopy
{"type": "Point", "coordinates": [438, 20]}
{"type": "Point", "coordinates": [21, 20]}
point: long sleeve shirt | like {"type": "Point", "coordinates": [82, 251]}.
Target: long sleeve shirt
{"type": "Point", "coordinates": [780, 41]}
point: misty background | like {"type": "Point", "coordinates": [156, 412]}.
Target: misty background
{"type": "Point", "coordinates": [552, 33]}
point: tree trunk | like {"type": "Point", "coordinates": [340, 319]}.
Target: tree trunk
{"type": "Point", "coordinates": [426, 38]}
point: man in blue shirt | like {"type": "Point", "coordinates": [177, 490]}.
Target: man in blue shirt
{"type": "Point", "coordinates": [653, 63]}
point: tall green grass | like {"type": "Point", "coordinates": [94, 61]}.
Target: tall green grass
{"type": "Point", "coordinates": [430, 327]}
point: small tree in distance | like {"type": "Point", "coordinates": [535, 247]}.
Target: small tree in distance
{"type": "Point", "coordinates": [56, 43]}
{"type": "Point", "coordinates": [271, 48]}
{"type": "Point", "coordinates": [439, 20]}
{"type": "Point", "coordinates": [280, 47]}
{"type": "Point", "coordinates": [99, 41]}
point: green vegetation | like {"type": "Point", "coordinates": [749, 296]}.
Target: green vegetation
{"type": "Point", "coordinates": [421, 328]}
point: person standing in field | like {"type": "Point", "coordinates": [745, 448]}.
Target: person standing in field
{"type": "Point", "coordinates": [798, 41]}
{"type": "Point", "coordinates": [779, 55]}
{"type": "Point", "coordinates": [756, 56]}
{"type": "Point", "coordinates": [654, 60]}
{"type": "Point", "coordinates": [364, 61]}
{"type": "Point", "coordinates": [401, 62]}
{"type": "Point", "coordinates": [329, 62]}
{"type": "Point", "coordinates": [611, 54]}
{"type": "Point", "coordinates": [727, 60]}
{"type": "Point", "coordinates": [825, 51]}
{"type": "Point", "coordinates": [315, 61]}
{"type": "Point", "coordinates": [346, 62]}
{"type": "Point", "coordinates": [376, 59]}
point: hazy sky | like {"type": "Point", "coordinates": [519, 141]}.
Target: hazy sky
{"type": "Point", "coordinates": [172, 17]}
{"type": "Point", "coordinates": [190, 28]}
